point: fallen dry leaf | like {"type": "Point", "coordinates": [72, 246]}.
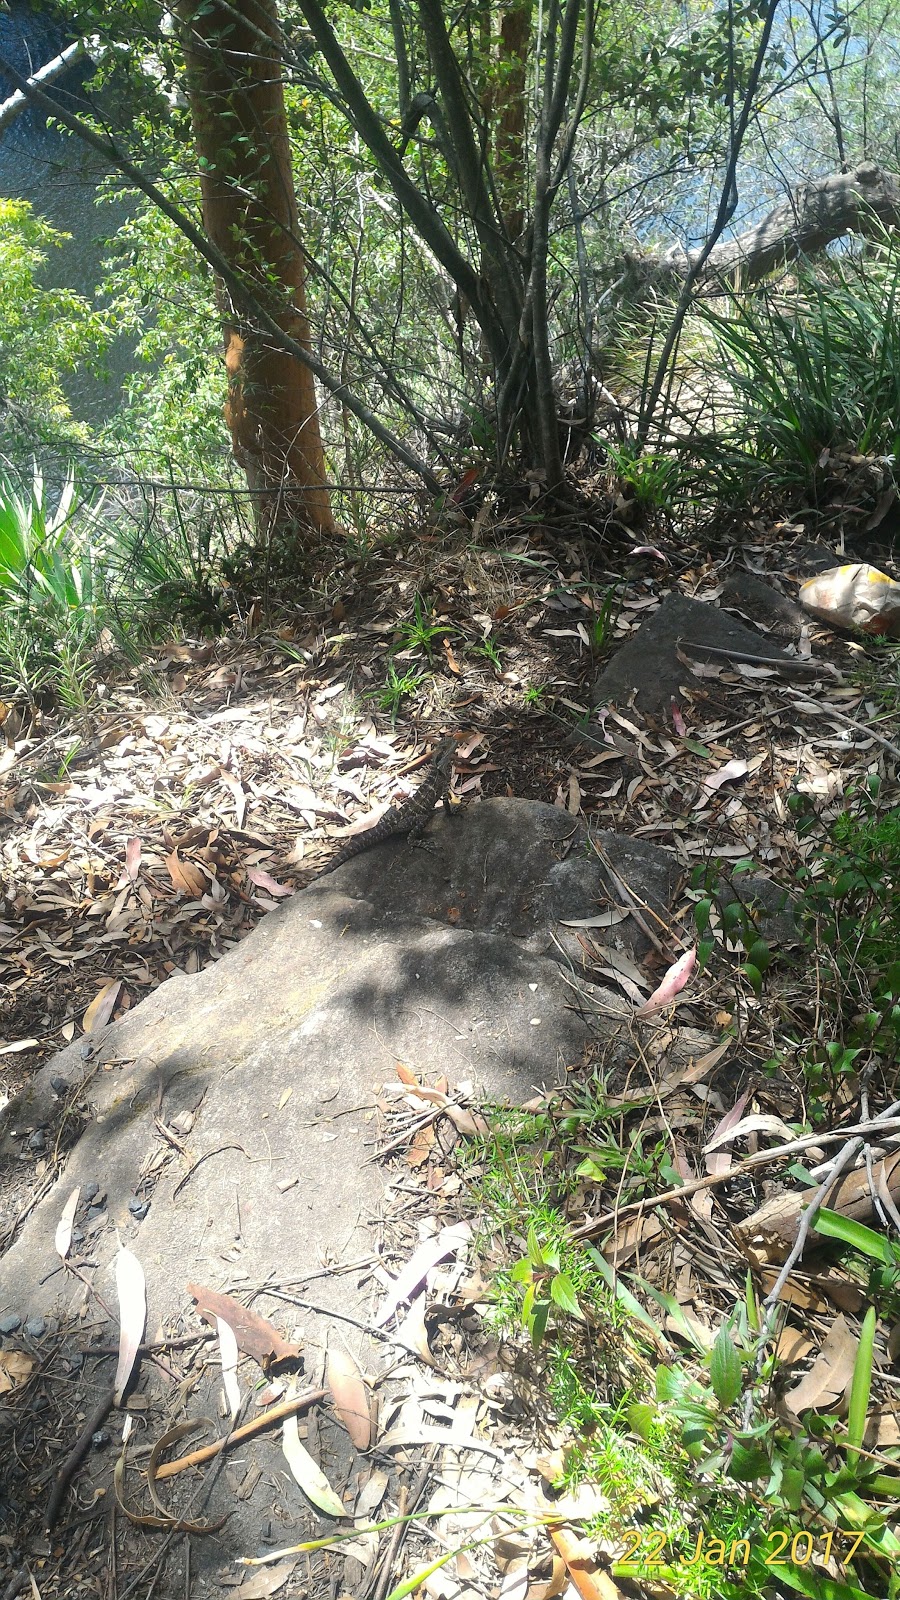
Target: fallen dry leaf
{"type": "Point", "coordinates": [228, 1352]}
{"type": "Point", "coordinates": [264, 880]}
{"type": "Point", "coordinates": [307, 1474]}
{"type": "Point", "coordinates": [255, 1336]}
{"type": "Point", "coordinates": [102, 1006]}
{"type": "Point", "coordinates": [829, 1374]}
{"type": "Point", "coordinates": [132, 1292]}
{"type": "Point", "coordinates": [187, 878]}
{"type": "Point", "coordinates": [445, 1243]}
{"type": "Point", "coordinates": [672, 984]}
{"type": "Point", "coordinates": [351, 1398]}
{"type": "Point", "coordinates": [267, 1581]}
{"type": "Point", "coordinates": [63, 1236]}
{"type": "Point", "coordinates": [15, 1368]}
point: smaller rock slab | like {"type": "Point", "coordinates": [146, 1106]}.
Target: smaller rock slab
{"type": "Point", "coordinates": [646, 670]}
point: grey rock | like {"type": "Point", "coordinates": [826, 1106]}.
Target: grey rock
{"type": "Point", "coordinates": [647, 667]}
{"type": "Point", "coordinates": [10, 1323]}
{"type": "Point", "coordinates": [450, 958]}
{"type": "Point", "coordinates": [772, 610]}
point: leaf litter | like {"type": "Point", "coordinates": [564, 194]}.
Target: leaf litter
{"type": "Point", "coordinates": [160, 846]}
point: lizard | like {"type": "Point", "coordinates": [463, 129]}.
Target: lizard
{"type": "Point", "coordinates": [411, 817]}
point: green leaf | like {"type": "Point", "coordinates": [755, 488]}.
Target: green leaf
{"type": "Point", "coordinates": [793, 1482]}
{"type": "Point", "coordinates": [538, 1322]}
{"type": "Point", "coordinates": [641, 1419]}
{"type": "Point", "coordinates": [760, 955]}
{"type": "Point", "coordinates": [725, 1369]}
{"type": "Point", "coordinates": [753, 976]}
{"type": "Point", "coordinates": [589, 1168]}
{"type": "Point", "coordinates": [858, 1410]}
{"type": "Point", "coordinates": [617, 1287]}
{"type": "Point", "coordinates": [832, 1225]}
{"type": "Point", "coordinates": [816, 1585]}
{"type": "Point", "coordinates": [748, 1462]}
{"type": "Point", "coordinates": [535, 1254]}
{"type": "Point", "coordinates": [310, 1477]}
{"type": "Point", "coordinates": [702, 911]}
{"type": "Point", "coordinates": [670, 1383]}
{"type": "Point", "coordinates": [562, 1293]}
{"type": "Point", "coordinates": [409, 1585]}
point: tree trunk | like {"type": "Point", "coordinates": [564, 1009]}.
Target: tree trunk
{"type": "Point", "coordinates": [509, 115]}
{"type": "Point", "coordinates": [235, 90]}
{"type": "Point", "coordinates": [863, 201]}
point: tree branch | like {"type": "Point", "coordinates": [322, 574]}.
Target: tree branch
{"type": "Point", "coordinates": [243, 297]}
{"type": "Point", "coordinates": [420, 212]}
{"type": "Point", "coordinates": [54, 69]}
{"type": "Point", "coordinates": [727, 208]}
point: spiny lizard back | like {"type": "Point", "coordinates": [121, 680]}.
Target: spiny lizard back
{"type": "Point", "coordinates": [412, 816]}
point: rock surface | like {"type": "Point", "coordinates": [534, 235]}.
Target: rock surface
{"type": "Point", "coordinates": [646, 670]}
{"type": "Point", "coordinates": [239, 1102]}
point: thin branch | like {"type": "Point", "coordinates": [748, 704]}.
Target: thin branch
{"type": "Point", "coordinates": [243, 297]}
{"type": "Point", "coordinates": [727, 208]}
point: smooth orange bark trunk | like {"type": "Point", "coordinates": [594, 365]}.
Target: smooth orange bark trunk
{"type": "Point", "coordinates": [236, 95]}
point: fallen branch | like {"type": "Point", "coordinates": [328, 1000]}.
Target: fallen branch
{"type": "Point", "coordinates": [760, 1158]}
{"type": "Point", "coordinates": [76, 1455]}
{"type": "Point", "coordinates": [285, 1408]}
{"type": "Point", "coordinates": [865, 200]}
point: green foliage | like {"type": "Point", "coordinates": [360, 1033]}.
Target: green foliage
{"type": "Point", "coordinates": [852, 911]}
{"type": "Point", "coordinates": [737, 919]}
{"type": "Point", "coordinates": [420, 631]}
{"type": "Point", "coordinates": [807, 372]}
{"type": "Point", "coordinates": [547, 1288]}
{"type": "Point", "coordinates": [88, 576]}
{"type": "Point", "coordinates": [44, 333]}
{"type": "Point", "coordinates": [51, 611]}
{"type": "Point", "coordinates": [399, 686]}
{"type": "Point", "coordinates": [875, 1258]}
{"type": "Point", "coordinates": [161, 296]}
{"type": "Point", "coordinates": [490, 649]}
{"type": "Point", "coordinates": [605, 619]}
{"type": "Point", "coordinates": [653, 480]}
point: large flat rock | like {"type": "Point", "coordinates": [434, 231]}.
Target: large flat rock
{"type": "Point", "coordinates": [240, 1102]}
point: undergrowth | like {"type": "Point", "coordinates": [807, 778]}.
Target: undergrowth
{"type": "Point", "coordinates": [708, 1484]}
{"type": "Point", "coordinates": [84, 576]}
{"type": "Point", "coordinates": [800, 371]}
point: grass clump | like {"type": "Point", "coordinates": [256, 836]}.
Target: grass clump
{"type": "Point", "coordinates": [799, 374]}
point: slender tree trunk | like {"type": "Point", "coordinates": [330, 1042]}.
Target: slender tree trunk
{"type": "Point", "coordinates": [235, 89]}
{"type": "Point", "coordinates": [509, 114]}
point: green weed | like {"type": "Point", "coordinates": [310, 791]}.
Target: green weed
{"type": "Point", "coordinates": [399, 686]}
{"type": "Point", "coordinates": [419, 632]}
{"type": "Point", "coordinates": [652, 479]}
{"type": "Point", "coordinates": [806, 373]}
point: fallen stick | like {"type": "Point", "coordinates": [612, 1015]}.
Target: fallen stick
{"type": "Point", "coordinates": [76, 1455]}
{"type": "Point", "coordinates": [761, 1158]}
{"type": "Point", "coordinates": [274, 1414]}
